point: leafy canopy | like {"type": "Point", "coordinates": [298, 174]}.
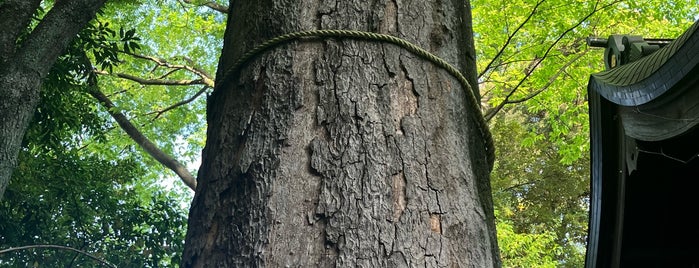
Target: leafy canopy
{"type": "Point", "coordinates": [533, 71]}
{"type": "Point", "coordinates": [81, 182]}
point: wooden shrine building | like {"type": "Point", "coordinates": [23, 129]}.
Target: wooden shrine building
{"type": "Point", "coordinates": [644, 110]}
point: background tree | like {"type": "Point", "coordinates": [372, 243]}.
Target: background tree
{"type": "Point", "coordinates": [80, 181]}
{"type": "Point", "coordinates": [343, 152]}
{"type": "Point", "coordinates": [25, 59]}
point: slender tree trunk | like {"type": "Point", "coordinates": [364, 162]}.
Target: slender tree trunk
{"type": "Point", "coordinates": [25, 60]}
{"type": "Point", "coordinates": [343, 152]}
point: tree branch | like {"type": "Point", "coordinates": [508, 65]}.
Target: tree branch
{"type": "Point", "coordinates": [15, 16]}
{"type": "Point", "coordinates": [151, 82]}
{"type": "Point", "coordinates": [206, 78]}
{"type": "Point", "coordinates": [178, 104]}
{"type": "Point", "coordinates": [59, 27]}
{"type": "Point", "coordinates": [104, 262]}
{"type": "Point", "coordinates": [212, 5]}
{"type": "Point", "coordinates": [509, 39]}
{"type": "Point", "coordinates": [551, 80]}
{"type": "Point", "coordinates": [140, 139]}
{"type": "Point", "coordinates": [491, 112]}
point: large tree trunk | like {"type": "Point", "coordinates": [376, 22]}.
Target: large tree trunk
{"type": "Point", "coordinates": [343, 152]}
{"type": "Point", "coordinates": [25, 60]}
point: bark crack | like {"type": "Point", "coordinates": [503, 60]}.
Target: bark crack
{"type": "Point", "coordinates": [399, 187]}
{"type": "Point", "coordinates": [406, 73]}
{"type": "Point", "coordinates": [386, 66]}
{"type": "Point", "coordinates": [398, 193]}
{"type": "Point", "coordinates": [405, 102]}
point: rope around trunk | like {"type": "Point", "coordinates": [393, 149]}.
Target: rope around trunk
{"type": "Point", "coordinates": [352, 34]}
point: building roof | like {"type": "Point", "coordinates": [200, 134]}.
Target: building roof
{"type": "Point", "coordinates": [644, 143]}
{"type": "Point", "coordinates": [643, 80]}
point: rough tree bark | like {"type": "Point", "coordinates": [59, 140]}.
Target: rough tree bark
{"type": "Point", "coordinates": [25, 60]}
{"type": "Point", "coordinates": [343, 152]}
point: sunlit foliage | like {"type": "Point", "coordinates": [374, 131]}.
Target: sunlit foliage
{"type": "Point", "coordinates": [534, 65]}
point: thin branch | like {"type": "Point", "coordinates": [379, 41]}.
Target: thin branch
{"type": "Point", "coordinates": [152, 82]}
{"type": "Point", "coordinates": [205, 75]}
{"type": "Point", "coordinates": [117, 92]}
{"type": "Point", "coordinates": [140, 139]}
{"type": "Point", "coordinates": [551, 80]}
{"type": "Point", "coordinates": [491, 113]}
{"type": "Point", "coordinates": [206, 78]}
{"type": "Point", "coordinates": [178, 104]}
{"type": "Point", "coordinates": [509, 39]}
{"type": "Point", "coordinates": [210, 4]}
{"type": "Point", "coordinates": [505, 63]}
{"type": "Point", "coordinates": [104, 262]}
{"type": "Point", "coordinates": [170, 72]}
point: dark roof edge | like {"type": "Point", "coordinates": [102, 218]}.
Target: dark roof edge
{"type": "Point", "coordinates": [641, 81]}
